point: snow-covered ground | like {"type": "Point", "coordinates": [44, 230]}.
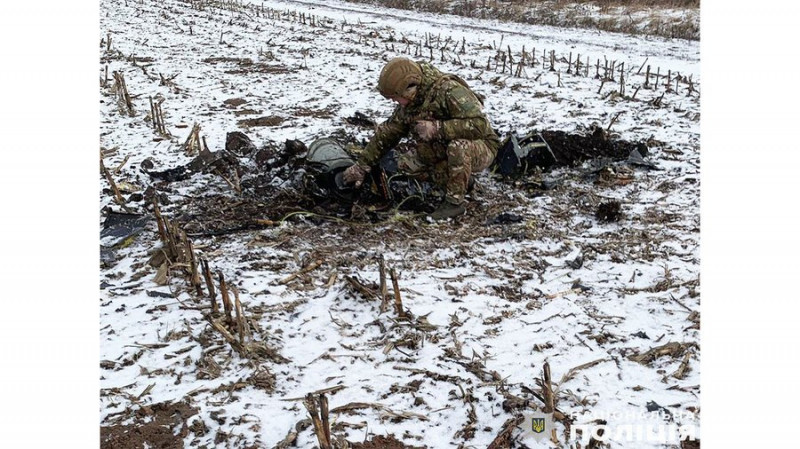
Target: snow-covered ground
{"type": "Point", "coordinates": [503, 299]}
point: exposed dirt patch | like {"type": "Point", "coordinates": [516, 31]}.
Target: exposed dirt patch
{"type": "Point", "coordinates": [271, 120]}
{"type": "Point", "coordinates": [218, 59]}
{"type": "Point", "coordinates": [246, 65]}
{"type": "Point", "coordinates": [382, 442]}
{"type": "Point", "coordinates": [258, 68]}
{"type": "Point", "coordinates": [246, 112]}
{"type": "Point", "coordinates": [316, 113]}
{"type": "Point", "coordinates": [161, 425]}
{"type": "Point", "coordinates": [686, 444]}
{"type": "Point", "coordinates": [234, 102]}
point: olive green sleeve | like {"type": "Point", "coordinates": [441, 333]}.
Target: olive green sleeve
{"type": "Point", "coordinates": [468, 120]}
{"type": "Point", "coordinates": [387, 135]}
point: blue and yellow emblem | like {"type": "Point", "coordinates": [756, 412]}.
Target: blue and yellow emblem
{"type": "Point", "coordinates": [537, 425]}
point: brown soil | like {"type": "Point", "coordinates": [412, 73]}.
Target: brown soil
{"type": "Point", "coordinates": [259, 68]}
{"type": "Point", "coordinates": [160, 425]}
{"type": "Point", "coordinates": [272, 120]}
{"type": "Point", "coordinates": [234, 102]}
{"type": "Point", "coordinates": [216, 59]}
{"type": "Point", "coordinates": [382, 442]}
{"type": "Point", "coordinates": [686, 444]}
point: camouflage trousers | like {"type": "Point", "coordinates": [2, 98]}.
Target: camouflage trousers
{"type": "Point", "coordinates": [449, 164]}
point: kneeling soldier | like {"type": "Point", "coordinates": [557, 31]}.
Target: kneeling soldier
{"type": "Point", "coordinates": [455, 139]}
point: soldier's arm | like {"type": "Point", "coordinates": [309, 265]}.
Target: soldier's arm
{"type": "Point", "coordinates": [467, 119]}
{"type": "Point", "coordinates": [387, 135]}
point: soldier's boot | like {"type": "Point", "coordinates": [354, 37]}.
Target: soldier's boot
{"type": "Point", "coordinates": [448, 209]}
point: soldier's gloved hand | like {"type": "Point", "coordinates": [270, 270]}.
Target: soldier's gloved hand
{"type": "Point", "coordinates": [355, 174]}
{"type": "Point", "coordinates": [428, 129]}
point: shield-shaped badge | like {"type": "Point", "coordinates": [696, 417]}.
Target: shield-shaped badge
{"type": "Point", "coordinates": [537, 425]}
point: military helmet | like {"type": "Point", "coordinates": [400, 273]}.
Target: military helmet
{"type": "Point", "coordinates": [398, 75]}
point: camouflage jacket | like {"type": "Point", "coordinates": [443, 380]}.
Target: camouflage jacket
{"type": "Point", "coordinates": [440, 97]}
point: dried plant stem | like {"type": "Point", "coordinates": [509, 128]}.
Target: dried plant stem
{"type": "Point", "coordinates": [192, 144]}
{"type": "Point", "coordinates": [117, 195]}
{"type": "Point", "coordinates": [195, 273]}
{"type": "Point", "coordinates": [613, 120]}
{"type": "Point", "coordinates": [162, 233]}
{"type": "Point", "coordinates": [383, 287]}
{"type": "Point", "coordinates": [547, 390]}
{"type": "Point", "coordinates": [310, 267]}
{"type": "Point", "coordinates": [226, 299]}
{"type": "Point", "coordinates": [318, 419]}
{"type": "Point", "coordinates": [227, 335]}
{"type": "Point", "coordinates": [123, 97]}
{"type": "Point", "coordinates": [240, 323]}
{"type": "Point", "coordinates": [212, 293]}
{"type": "Point", "coordinates": [121, 164]}
{"type": "Point", "coordinates": [398, 301]}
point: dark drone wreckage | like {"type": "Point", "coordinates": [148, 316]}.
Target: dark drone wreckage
{"type": "Point", "coordinates": [277, 182]}
{"type": "Point", "coordinates": [320, 164]}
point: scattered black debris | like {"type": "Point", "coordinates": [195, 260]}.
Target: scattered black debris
{"type": "Point", "coordinates": [578, 286]}
{"type": "Point", "coordinates": [609, 211]}
{"type": "Point", "coordinates": [576, 263]}
{"type": "Point", "coordinates": [239, 144]}
{"type": "Point", "coordinates": [519, 155]}
{"type": "Point", "coordinates": [119, 227]}
{"type": "Point", "coordinates": [635, 158]}
{"type": "Point", "coordinates": [360, 119]}
{"type": "Point", "coordinates": [155, 294]}
{"type": "Point", "coordinates": [652, 406]}
{"type": "Point", "coordinates": [506, 218]}
{"type": "Point", "coordinates": [295, 148]}
{"type": "Point", "coordinates": [547, 149]}
{"type": "Point", "coordinates": [147, 164]}
{"type": "Point", "coordinates": [597, 166]}
{"type": "Point", "coordinates": [206, 162]}
{"type": "Point", "coordinates": [273, 182]}
{"type": "Point", "coordinates": [108, 256]}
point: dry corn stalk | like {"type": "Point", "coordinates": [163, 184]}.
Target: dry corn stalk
{"type": "Point", "coordinates": [226, 299]}
{"type": "Point", "coordinates": [398, 301]}
{"type": "Point", "coordinates": [123, 97]}
{"type": "Point", "coordinates": [193, 144]}
{"type": "Point", "coordinates": [157, 117]}
{"type": "Point", "coordinates": [317, 407]}
{"type": "Point", "coordinates": [212, 293]}
{"type": "Point", "coordinates": [241, 326]}
{"type": "Point", "coordinates": [383, 288]}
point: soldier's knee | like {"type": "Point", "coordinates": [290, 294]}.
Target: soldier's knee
{"type": "Point", "coordinates": [457, 149]}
